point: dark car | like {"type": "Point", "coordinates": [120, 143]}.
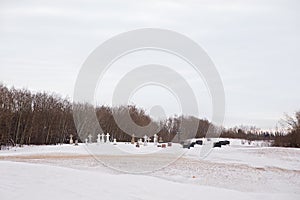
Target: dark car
{"type": "Point", "coordinates": [217, 144]}
{"type": "Point", "coordinates": [199, 142]}
{"type": "Point", "coordinates": [226, 142]}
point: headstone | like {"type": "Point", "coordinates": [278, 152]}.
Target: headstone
{"type": "Point", "coordinates": [155, 139]}
{"type": "Point", "coordinates": [86, 141]}
{"type": "Point", "coordinates": [145, 140]}
{"type": "Point", "coordinates": [132, 139]}
{"type": "Point", "coordinates": [107, 138]}
{"type": "Point", "coordinates": [102, 138]}
{"type": "Point", "coordinates": [71, 139]}
{"type": "Point", "coordinates": [169, 144]}
{"type": "Point", "coordinates": [98, 138]}
{"type": "Point", "coordinates": [76, 142]}
{"type": "Point", "coordinates": [115, 141]}
{"type": "Point", "coordinates": [90, 138]}
{"type": "Point", "coordinates": [160, 140]}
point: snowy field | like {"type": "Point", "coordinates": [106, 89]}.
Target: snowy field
{"type": "Point", "coordinates": [238, 171]}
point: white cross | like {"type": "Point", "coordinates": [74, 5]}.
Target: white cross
{"type": "Point", "coordinates": [90, 138]}
{"type": "Point", "coordinates": [107, 137]}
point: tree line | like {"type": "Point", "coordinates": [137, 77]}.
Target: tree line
{"type": "Point", "coordinates": [41, 118]}
{"type": "Point", "coordinates": [27, 118]}
{"type": "Point", "coordinates": [292, 139]}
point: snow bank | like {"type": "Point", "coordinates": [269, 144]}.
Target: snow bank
{"type": "Point", "coordinates": [35, 181]}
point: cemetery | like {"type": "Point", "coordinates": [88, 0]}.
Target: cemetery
{"type": "Point", "coordinates": [156, 141]}
{"type": "Point", "coordinates": [138, 142]}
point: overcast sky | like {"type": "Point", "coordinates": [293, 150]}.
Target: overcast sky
{"type": "Point", "coordinates": [255, 46]}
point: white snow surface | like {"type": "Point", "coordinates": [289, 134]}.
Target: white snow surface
{"type": "Point", "coordinates": [237, 171]}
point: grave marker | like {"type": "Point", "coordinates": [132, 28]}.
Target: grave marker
{"type": "Point", "coordinates": [90, 138]}
{"type": "Point", "coordinates": [98, 139]}
{"type": "Point", "coordinates": [71, 139]}
{"type": "Point", "coordinates": [155, 139]}
{"type": "Point", "coordinates": [102, 138]}
{"type": "Point", "coordinates": [132, 139]}
{"type": "Point", "coordinates": [107, 138]}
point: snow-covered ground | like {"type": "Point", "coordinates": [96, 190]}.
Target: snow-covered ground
{"type": "Point", "coordinates": [238, 171]}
